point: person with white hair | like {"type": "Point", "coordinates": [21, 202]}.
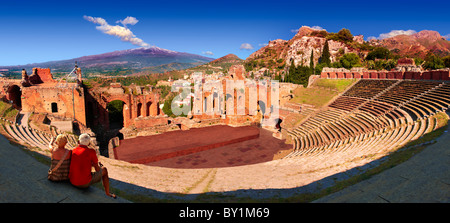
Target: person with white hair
{"type": "Point", "coordinates": [83, 159]}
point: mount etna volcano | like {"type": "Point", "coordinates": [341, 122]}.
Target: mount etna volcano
{"type": "Point", "coordinates": [120, 62]}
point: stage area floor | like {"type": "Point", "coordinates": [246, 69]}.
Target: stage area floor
{"type": "Point", "coordinates": [208, 147]}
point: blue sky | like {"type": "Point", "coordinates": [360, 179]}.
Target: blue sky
{"type": "Point", "coordinates": [40, 31]}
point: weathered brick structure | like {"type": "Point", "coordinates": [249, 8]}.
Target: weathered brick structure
{"type": "Point", "coordinates": [333, 73]}
{"type": "Point", "coordinates": [40, 93]}
{"type": "Point", "coordinates": [235, 100]}
{"type": "Point", "coordinates": [140, 109]}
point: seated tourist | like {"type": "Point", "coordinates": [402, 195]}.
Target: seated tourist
{"type": "Point", "coordinates": [83, 159]}
{"type": "Point", "coordinates": [59, 168]}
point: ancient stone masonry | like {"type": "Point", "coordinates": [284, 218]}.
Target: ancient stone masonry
{"type": "Point", "coordinates": [409, 73]}
{"type": "Point", "coordinates": [40, 93]}
{"type": "Point", "coordinates": [140, 106]}
{"type": "Point", "coordinates": [236, 100]}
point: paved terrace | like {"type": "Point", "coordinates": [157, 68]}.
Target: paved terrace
{"type": "Point", "coordinates": [23, 179]}
{"type": "Point", "coordinates": [423, 178]}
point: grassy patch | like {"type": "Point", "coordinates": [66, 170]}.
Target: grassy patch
{"type": "Point", "coordinates": [313, 96]}
{"type": "Point", "coordinates": [339, 85]}
{"type": "Point", "coordinates": [7, 111]}
{"type": "Point", "coordinates": [322, 91]}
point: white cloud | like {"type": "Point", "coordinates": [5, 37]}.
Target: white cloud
{"type": "Point", "coordinates": [263, 44]}
{"type": "Point", "coordinates": [447, 36]}
{"type": "Point", "coordinates": [396, 33]}
{"type": "Point", "coordinates": [96, 20]}
{"type": "Point", "coordinates": [371, 38]}
{"type": "Point", "coordinates": [128, 21]}
{"type": "Point", "coordinates": [246, 46]}
{"type": "Point", "coordinates": [121, 32]}
{"type": "Point", "coordinates": [208, 53]}
{"type": "Point", "coordinates": [313, 27]}
{"type": "Point", "coordinates": [317, 28]}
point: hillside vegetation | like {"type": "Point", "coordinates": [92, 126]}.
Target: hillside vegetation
{"type": "Point", "coordinates": [321, 92]}
{"type": "Point", "coordinates": [7, 111]}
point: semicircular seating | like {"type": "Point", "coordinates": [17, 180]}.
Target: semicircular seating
{"type": "Point", "coordinates": [371, 116]}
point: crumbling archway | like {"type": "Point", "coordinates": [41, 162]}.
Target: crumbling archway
{"type": "Point", "coordinates": [115, 114]}
{"type": "Point", "coordinates": [14, 95]}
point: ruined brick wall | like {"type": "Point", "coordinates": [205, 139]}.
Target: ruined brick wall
{"type": "Point", "coordinates": [145, 122]}
{"type": "Point", "coordinates": [65, 102]}
{"type": "Point", "coordinates": [41, 75]}
{"type": "Point", "coordinates": [409, 75]}
{"type": "Point", "coordinates": [138, 110]}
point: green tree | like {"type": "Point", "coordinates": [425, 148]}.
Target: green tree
{"type": "Point", "coordinates": [345, 35]}
{"type": "Point", "coordinates": [291, 72]}
{"type": "Point", "coordinates": [167, 109]}
{"type": "Point", "coordinates": [319, 67]}
{"type": "Point", "coordinates": [390, 64]}
{"type": "Point", "coordinates": [325, 57]}
{"type": "Point", "coordinates": [370, 64]}
{"type": "Point", "coordinates": [336, 64]}
{"type": "Point", "coordinates": [350, 60]}
{"type": "Point", "coordinates": [433, 62]}
{"type": "Point", "coordinates": [302, 75]}
{"type": "Point", "coordinates": [378, 53]}
{"type": "Point", "coordinates": [446, 61]}
{"type": "Point", "coordinates": [311, 62]}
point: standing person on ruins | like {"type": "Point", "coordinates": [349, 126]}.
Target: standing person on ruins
{"type": "Point", "coordinates": [83, 159]}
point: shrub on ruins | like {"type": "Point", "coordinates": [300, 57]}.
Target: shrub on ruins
{"type": "Point", "coordinates": [319, 67]}
{"type": "Point", "coordinates": [380, 64]}
{"type": "Point", "coordinates": [350, 60]}
{"type": "Point", "coordinates": [167, 108]}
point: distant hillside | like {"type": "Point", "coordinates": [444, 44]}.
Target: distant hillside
{"type": "Point", "coordinates": [230, 58]}
{"type": "Point", "coordinates": [123, 62]}
{"type": "Point", "coordinates": [278, 54]}
{"type": "Point", "coordinates": [219, 65]}
{"type": "Point", "coordinates": [416, 45]}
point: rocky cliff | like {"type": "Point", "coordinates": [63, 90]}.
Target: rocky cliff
{"type": "Point", "coordinates": [298, 49]}
{"type": "Point", "coordinates": [278, 54]}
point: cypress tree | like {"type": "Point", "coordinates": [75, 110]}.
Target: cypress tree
{"type": "Point", "coordinates": [325, 58]}
{"type": "Point", "coordinates": [311, 62]}
{"type": "Point", "coordinates": [291, 73]}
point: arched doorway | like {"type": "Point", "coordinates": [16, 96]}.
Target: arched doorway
{"type": "Point", "coordinates": [115, 114]}
{"type": "Point", "coordinates": [148, 106]}
{"type": "Point", "coordinates": [14, 96]}
{"type": "Point", "coordinates": [139, 110]}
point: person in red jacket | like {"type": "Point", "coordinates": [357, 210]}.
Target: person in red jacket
{"type": "Point", "coordinates": [83, 159]}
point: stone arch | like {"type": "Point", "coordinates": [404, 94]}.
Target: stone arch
{"type": "Point", "coordinates": [116, 113]}
{"type": "Point", "coordinates": [14, 95]}
{"type": "Point", "coordinates": [139, 109]}
{"type": "Point", "coordinates": [148, 106]}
